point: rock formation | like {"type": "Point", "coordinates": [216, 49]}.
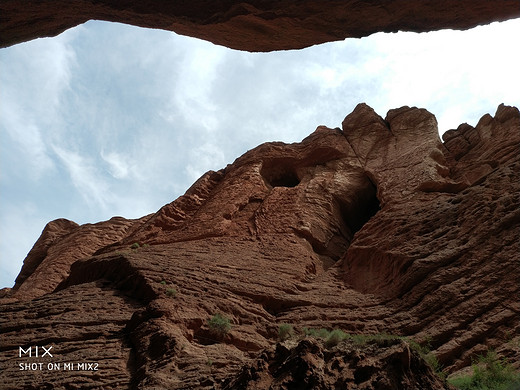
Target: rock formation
{"type": "Point", "coordinates": [386, 364]}
{"type": "Point", "coordinates": [255, 25]}
{"type": "Point", "coordinates": [378, 228]}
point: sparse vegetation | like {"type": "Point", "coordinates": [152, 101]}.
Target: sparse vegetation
{"type": "Point", "coordinates": [219, 325]}
{"type": "Point", "coordinates": [171, 292]}
{"type": "Point", "coordinates": [489, 373]}
{"type": "Point", "coordinates": [285, 331]}
{"type": "Point", "coordinates": [379, 339]}
{"type": "Point", "coordinates": [135, 245]}
{"type": "Point", "coordinates": [434, 363]}
{"type": "Point", "coordinates": [163, 282]}
{"type": "Point", "coordinates": [316, 333]}
{"type": "Point", "coordinates": [335, 337]}
{"type": "Point", "coordinates": [425, 351]}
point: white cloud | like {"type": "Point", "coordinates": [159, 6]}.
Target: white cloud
{"type": "Point", "coordinates": [118, 165]}
{"type": "Point", "coordinates": [34, 76]}
{"type": "Point", "coordinates": [458, 75]}
{"type": "Point", "coordinates": [25, 139]}
{"type": "Point", "coordinates": [86, 178]}
{"type": "Point", "coordinates": [33, 81]}
{"type": "Point", "coordinates": [190, 90]}
{"type": "Point", "coordinates": [204, 158]}
{"type": "Point", "coordinates": [110, 119]}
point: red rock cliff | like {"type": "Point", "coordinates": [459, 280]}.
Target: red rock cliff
{"type": "Point", "coordinates": [255, 25]}
{"type": "Point", "coordinates": [376, 228]}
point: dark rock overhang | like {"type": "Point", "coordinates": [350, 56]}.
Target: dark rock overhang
{"type": "Point", "coordinates": [255, 25]}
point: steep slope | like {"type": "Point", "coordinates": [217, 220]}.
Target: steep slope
{"type": "Point", "coordinates": [376, 228]}
{"type": "Point", "coordinates": [61, 243]}
{"type": "Point", "coordinates": [255, 25]}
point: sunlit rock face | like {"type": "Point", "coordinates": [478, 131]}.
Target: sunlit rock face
{"type": "Point", "coordinates": [378, 227]}
{"type": "Point", "coordinates": [256, 25]}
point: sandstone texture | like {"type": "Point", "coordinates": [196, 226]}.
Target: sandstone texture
{"type": "Point", "coordinates": [61, 243]}
{"type": "Point", "coordinates": [255, 25]}
{"type": "Point", "coordinates": [375, 228]}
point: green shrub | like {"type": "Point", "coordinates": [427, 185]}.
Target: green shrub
{"type": "Point", "coordinates": [219, 325]}
{"type": "Point", "coordinates": [135, 245]}
{"type": "Point", "coordinates": [163, 282]}
{"type": "Point", "coordinates": [423, 349]}
{"type": "Point", "coordinates": [434, 363]}
{"type": "Point", "coordinates": [463, 382]}
{"type": "Point", "coordinates": [285, 331]}
{"type": "Point", "coordinates": [316, 333]}
{"type": "Point", "coordinates": [489, 373]}
{"type": "Point", "coordinates": [427, 355]}
{"type": "Point", "coordinates": [335, 337]}
{"type": "Point", "coordinates": [171, 292]}
{"type": "Point", "coordinates": [381, 339]}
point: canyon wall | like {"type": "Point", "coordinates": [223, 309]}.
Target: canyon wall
{"type": "Point", "coordinates": [378, 228]}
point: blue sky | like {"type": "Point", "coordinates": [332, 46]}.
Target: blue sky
{"type": "Point", "coordinates": [109, 119]}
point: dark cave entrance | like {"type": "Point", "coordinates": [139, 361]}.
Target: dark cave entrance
{"type": "Point", "coordinates": [279, 174]}
{"type": "Point", "coordinates": [351, 210]}
{"type": "Point", "coordinates": [355, 210]}
{"type": "Point", "coordinates": [352, 207]}
{"type": "Point", "coordinates": [356, 215]}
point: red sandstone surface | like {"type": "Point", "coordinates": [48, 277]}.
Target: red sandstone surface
{"type": "Point", "coordinates": [255, 25]}
{"type": "Point", "coordinates": [375, 228]}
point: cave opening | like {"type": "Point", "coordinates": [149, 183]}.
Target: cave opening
{"type": "Point", "coordinates": [351, 210]}
{"type": "Point", "coordinates": [356, 215]}
{"type": "Point", "coordinates": [279, 174]}
{"type": "Point", "coordinates": [355, 212]}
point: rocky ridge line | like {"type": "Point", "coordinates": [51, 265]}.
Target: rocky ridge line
{"type": "Point", "coordinates": [376, 228]}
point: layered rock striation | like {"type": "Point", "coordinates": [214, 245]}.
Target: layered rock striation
{"type": "Point", "coordinates": [255, 25]}
{"type": "Point", "coordinates": [375, 228]}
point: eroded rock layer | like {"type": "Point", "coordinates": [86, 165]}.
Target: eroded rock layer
{"type": "Point", "coordinates": [378, 227]}
{"type": "Point", "coordinates": [255, 25]}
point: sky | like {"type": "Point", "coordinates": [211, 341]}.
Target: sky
{"type": "Point", "coordinates": [108, 119]}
